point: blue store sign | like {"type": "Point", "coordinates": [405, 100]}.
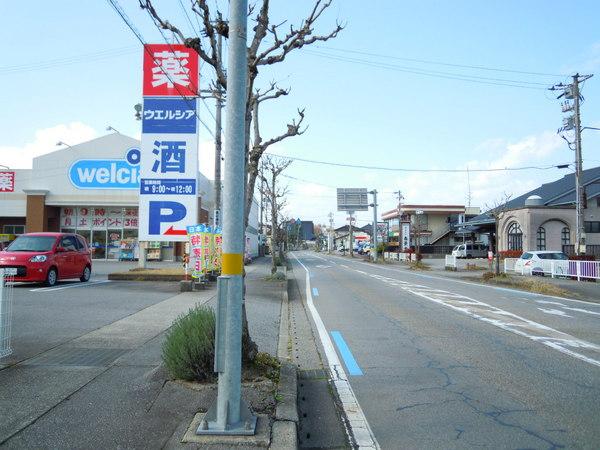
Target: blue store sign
{"type": "Point", "coordinates": [107, 173]}
{"type": "Point", "coordinates": [169, 115]}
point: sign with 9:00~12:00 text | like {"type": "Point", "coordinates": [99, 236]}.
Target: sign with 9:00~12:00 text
{"type": "Point", "coordinates": [352, 199]}
{"type": "Point", "coordinates": [169, 150]}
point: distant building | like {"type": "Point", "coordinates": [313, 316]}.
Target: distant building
{"type": "Point", "coordinates": [426, 225]}
{"type": "Point", "coordinates": [544, 218]}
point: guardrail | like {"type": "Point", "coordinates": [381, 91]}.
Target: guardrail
{"type": "Point", "coordinates": [509, 264]}
{"type": "Point", "coordinates": [6, 297]}
{"type": "Point", "coordinates": [450, 262]}
{"type": "Point", "coordinates": [579, 270]}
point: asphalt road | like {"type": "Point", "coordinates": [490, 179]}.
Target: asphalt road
{"type": "Point", "coordinates": [441, 363]}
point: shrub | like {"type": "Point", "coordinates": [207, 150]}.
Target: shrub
{"type": "Point", "coordinates": [582, 257]}
{"type": "Point", "coordinates": [188, 351]}
{"type": "Point", "coordinates": [511, 254]}
{"type": "Point", "coordinates": [488, 275]}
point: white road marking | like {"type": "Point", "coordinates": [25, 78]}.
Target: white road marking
{"type": "Point", "coordinates": [69, 286]}
{"type": "Point", "coordinates": [323, 266]}
{"type": "Point", "coordinates": [448, 279]}
{"type": "Point", "coordinates": [555, 312]}
{"type": "Point", "coordinates": [546, 302]}
{"type": "Point", "coordinates": [357, 422]}
{"type": "Point", "coordinates": [505, 320]}
{"type": "Point", "coordinates": [585, 311]}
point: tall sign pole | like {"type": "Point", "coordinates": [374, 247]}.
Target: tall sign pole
{"type": "Point", "coordinates": [230, 416]}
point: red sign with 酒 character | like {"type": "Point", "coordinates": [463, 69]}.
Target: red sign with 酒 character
{"type": "Point", "coordinates": [7, 181]}
{"type": "Point", "coordinates": [170, 70]}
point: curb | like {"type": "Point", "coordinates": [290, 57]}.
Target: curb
{"type": "Point", "coordinates": [284, 434]}
{"type": "Point", "coordinates": [137, 277]}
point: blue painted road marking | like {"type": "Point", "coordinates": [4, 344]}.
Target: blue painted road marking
{"type": "Point", "coordinates": [347, 356]}
{"type": "Point", "coordinates": [315, 292]}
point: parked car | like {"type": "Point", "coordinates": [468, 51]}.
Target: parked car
{"type": "Point", "coordinates": [47, 257]}
{"type": "Point", "coordinates": [469, 250]}
{"type": "Point", "coordinates": [538, 261]}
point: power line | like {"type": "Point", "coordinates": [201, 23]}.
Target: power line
{"type": "Point", "coordinates": [395, 169]}
{"type": "Point", "coordinates": [435, 74]}
{"type": "Point", "coordinates": [76, 59]}
{"type": "Point", "coordinates": [439, 63]}
{"type": "Point", "coordinates": [115, 5]}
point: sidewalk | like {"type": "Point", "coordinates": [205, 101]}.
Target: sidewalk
{"type": "Point", "coordinates": [107, 389]}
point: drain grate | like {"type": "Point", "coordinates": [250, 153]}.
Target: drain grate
{"type": "Point", "coordinates": [72, 356]}
{"type": "Point", "coordinates": [312, 374]}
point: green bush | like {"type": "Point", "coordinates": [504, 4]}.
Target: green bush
{"type": "Point", "coordinates": [188, 351]}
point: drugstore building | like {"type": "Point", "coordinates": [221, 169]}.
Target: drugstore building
{"type": "Point", "coordinates": [92, 189]}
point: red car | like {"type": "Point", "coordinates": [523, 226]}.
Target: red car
{"type": "Point", "coordinates": [47, 257]}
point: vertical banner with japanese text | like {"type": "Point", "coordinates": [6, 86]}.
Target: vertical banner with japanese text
{"type": "Point", "coordinates": [168, 200]}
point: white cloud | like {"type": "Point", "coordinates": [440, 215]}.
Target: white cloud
{"type": "Point", "coordinates": [588, 61]}
{"type": "Point", "coordinates": [44, 141]}
{"type": "Point", "coordinates": [206, 159]}
{"type": "Point", "coordinates": [452, 188]}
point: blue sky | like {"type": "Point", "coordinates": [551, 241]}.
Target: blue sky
{"type": "Point", "coordinates": [361, 109]}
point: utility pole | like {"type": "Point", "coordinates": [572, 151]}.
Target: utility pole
{"type": "Point", "coordinates": [374, 205]}
{"type": "Point", "coordinates": [572, 92]}
{"type": "Point", "coordinates": [330, 235]}
{"type": "Point", "coordinates": [229, 415]}
{"type": "Point", "coordinates": [350, 234]}
{"type": "Point", "coordinates": [219, 107]}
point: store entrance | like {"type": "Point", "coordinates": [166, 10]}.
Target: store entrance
{"type": "Point", "coordinates": [98, 244]}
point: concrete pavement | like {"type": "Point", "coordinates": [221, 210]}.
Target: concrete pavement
{"type": "Point", "coordinates": [86, 368]}
{"type": "Point", "coordinates": [448, 364]}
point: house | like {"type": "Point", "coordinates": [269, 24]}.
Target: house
{"type": "Point", "coordinates": [341, 235]}
{"type": "Point", "coordinates": [426, 225]}
{"type": "Point", "coordinates": [544, 218]}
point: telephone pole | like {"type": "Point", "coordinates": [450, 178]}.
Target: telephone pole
{"type": "Point", "coordinates": [350, 233]}
{"type": "Point", "coordinates": [229, 415]}
{"type": "Point", "coordinates": [573, 123]}
{"type": "Point", "coordinates": [330, 235]}
{"type": "Point", "coordinates": [374, 205]}
{"type": "Point", "coordinates": [218, 151]}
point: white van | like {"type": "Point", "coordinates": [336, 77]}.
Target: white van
{"type": "Point", "coordinates": [470, 251]}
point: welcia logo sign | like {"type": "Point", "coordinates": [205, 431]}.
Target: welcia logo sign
{"type": "Point", "coordinates": [107, 173]}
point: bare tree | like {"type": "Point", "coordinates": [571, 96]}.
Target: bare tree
{"type": "Point", "coordinates": [496, 210]}
{"type": "Point", "coordinates": [270, 44]}
{"type": "Point", "coordinates": [272, 168]}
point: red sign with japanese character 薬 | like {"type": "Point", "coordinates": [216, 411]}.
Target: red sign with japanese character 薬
{"type": "Point", "coordinates": [170, 70]}
{"type": "Point", "coordinates": [7, 181]}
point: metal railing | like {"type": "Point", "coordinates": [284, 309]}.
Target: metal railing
{"type": "Point", "coordinates": [6, 298]}
{"type": "Point", "coordinates": [580, 270]}
{"type": "Point", "coordinates": [589, 250]}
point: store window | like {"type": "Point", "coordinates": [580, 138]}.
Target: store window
{"type": "Point", "coordinates": [592, 227]}
{"type": "Point", "coordinates": [541, 238]}
{"type": "Point", "coordinates": [13, 229]}
{"type": "Point", "coordinates": [515, 236]}
{"type": "Point", "coordinates": [108, 230]}
{"type": "Point", "coordinates": [565, 236]}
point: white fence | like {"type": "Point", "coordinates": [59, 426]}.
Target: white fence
{"type": "Point", "coordinates": [450, 262]}
{"type": "Point", "coordinates": [6, 297]}
{"type": "Point", "coordinates": [557, 268]}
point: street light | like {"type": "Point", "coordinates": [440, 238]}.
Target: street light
{"type": "Point", "coordinates": [138, 111]}
{"type": "Point", "coordinates": [110, 128]}
{"type": "Point", "coordinates": [59, 143]}
{"type": "Point", "coordinates": [4, 167]}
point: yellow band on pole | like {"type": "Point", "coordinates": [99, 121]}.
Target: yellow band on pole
{"type": "Point", "coordinates": [232, 264]}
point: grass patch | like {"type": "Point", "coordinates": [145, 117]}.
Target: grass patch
{"type": "Point", "coordinates": [526, 284]}
{"type": "Point", "coordinates": [277, 276]}
{"type": "Point", "coordinates": [188, 351]}
{"type": "Point", "coordinates": [475, 267]}
{"type": "Point", "coordinates": [267, 365]}
{"type": "Point", "coordinates": [418, 265]}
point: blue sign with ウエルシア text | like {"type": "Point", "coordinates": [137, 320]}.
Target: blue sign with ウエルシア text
{"type": "Point", "coordinates": [169, 115]}
{"type": "Point", "coordinates": [167, 186]}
